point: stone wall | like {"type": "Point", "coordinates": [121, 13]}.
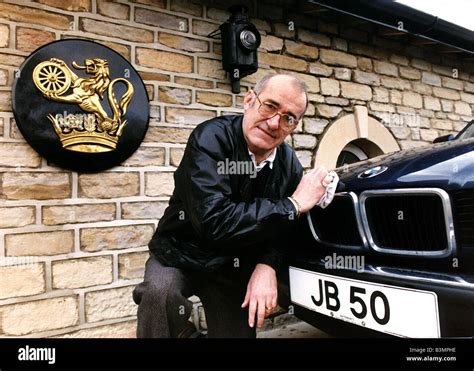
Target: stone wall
{"type": "Point", "coordinates": [83, 236]}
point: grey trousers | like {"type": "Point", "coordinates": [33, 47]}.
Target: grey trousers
{"type": "Point", "coordinates": [164, 308]}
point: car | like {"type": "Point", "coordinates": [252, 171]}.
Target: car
{"type": "Point", "coordinates": [393, 254]}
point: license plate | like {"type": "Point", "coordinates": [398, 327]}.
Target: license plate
{"type": "Point", "coordinates": [393, 310]}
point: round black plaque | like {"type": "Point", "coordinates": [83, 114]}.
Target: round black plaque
{"type": "Point", "coordinates": [80, 105]}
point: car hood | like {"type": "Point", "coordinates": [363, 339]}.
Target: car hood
{"type": "Point", "coordinates": [449, 166]}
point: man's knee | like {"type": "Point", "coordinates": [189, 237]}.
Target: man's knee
{"type": "Point", "coordinates": [151, 292]}
{"type": "Point", "coordinates": [137, 294]}
{"type": "Point", "coordinates": [148, 292]}
{"type": "Point", "coordinates": [166, 288]}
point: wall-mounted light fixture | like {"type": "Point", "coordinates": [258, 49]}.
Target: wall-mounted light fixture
{"type": "Point", "coordinates": [240, 41]}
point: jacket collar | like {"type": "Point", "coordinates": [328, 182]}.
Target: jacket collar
{"type": "Point", "coordinates": [270, 159]}
{"type": "Point", "coordinates": [275, 174]}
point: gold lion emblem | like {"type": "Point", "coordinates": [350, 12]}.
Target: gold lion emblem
{"type": "Point", "coordinates": [93, 131]}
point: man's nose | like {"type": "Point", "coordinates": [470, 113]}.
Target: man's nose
{"type": "Point", "coordinates": [274, 122]}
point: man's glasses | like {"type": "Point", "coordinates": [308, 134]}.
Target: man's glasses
{"type": "Point", "coordinates": [268, 110]}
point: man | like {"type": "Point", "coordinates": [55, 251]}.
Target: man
{"type": "Point", "coordinates": [224, 234]}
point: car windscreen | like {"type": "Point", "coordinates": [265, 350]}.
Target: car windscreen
{"type": "Point", "coordinates": [468, 132]}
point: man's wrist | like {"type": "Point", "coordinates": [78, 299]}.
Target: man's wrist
{"type": "Point", "coordinates": [296, 205]}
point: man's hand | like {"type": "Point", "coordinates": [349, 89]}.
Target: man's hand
{"type": "Point", "coordinates": [262, 294]}
{"type": "Point", "coordinates": [311, 188]}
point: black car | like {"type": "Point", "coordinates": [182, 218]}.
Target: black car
{"type": "Point", "coordinates": [393, 254]}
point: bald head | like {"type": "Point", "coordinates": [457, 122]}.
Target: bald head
{"type": "Point", "coordinates": [293, 81]}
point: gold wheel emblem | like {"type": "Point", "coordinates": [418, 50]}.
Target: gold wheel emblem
{"type": "Point", "coordinates": [51, 77]}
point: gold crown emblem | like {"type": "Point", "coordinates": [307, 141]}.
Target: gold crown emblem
{"type": "Point", "coordinates": [79, 132]}
{"type": "Point", "coordinates": [91, 131]}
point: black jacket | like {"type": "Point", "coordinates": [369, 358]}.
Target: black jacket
{"type": "Point", "coordinates": [210, 219]}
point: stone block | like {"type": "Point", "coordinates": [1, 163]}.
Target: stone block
{"type": "Point", "coordinates": [83, 272]}
{"type": "Point", "coordinates": [160, 19]}
{"type": "Point", "coordinates": [356, 91]}
{"type": "Point", "coordinates": [21, 280]}
{"type": "Point", "coordinates": [85, 213]}
{"type": "Point", "coordinates": [330, 87]}
{"type": "Point", "coordinates": [36, 186]}
{"type": "Point", "coordinates": [186, 116]}
{"type": "Point", "coordinates": [167, 61]}
{"type": "Point", "coordinates": [132, 266]}
{"type": "Point", "coordinates": [109, 185]}
{"type": "Point", "coordinates": [113, 9]}
{"type": "Point", "coordinates": [24, 14]}
{"type": "Point", "coordinates": [110, 304]}
{"type": "Point", "coordinates": [337, 58]}
{"type": "Point", "coordinates": [39, 243]}
{"type": "Point", "coordinates": [23, 318]}
{"type": "Point", "coordinates": [167, 135]}
{"type": "Point", "coordinates": [183, 43]}
{"type": "Point", "coordinates": [143, 210]}
{"type": "Point", "coordinates": [113, 238]}
{"type": "Point", "coordinates": [159, 184]}
{"type": "Point", "coordinates": [301, 50]}
{"type": "Point", "coordinates": [18, 216]}
{"type": "Point", "coordinates": [146, 156]}
{"type": "Point", "coordinates": [112, 29]}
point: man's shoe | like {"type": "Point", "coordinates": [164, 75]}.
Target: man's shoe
{"type": "Point", "coordinates": [198, 335]}
{"type": "Point", "coordinates": [188, 330]}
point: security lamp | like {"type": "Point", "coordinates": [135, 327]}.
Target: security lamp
{"type": "Point", "coordinates": [240, 40]}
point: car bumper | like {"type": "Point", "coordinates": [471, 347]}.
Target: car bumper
{"type": "Point", "coordinates": [455, 298]}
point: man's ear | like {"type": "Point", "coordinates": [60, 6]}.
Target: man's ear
{"type": "Point", "coordinates": [293, 129]}
{"type": "Point", "coordinates": [248, 99]}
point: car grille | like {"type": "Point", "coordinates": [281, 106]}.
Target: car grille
{"type": "Point", "coordinates": [401, 222]}
{"type": "Point", "coordinates": [463, 209]}
{"type": "Point", "coordinates": [337, 223]}
{"type": "Point", "coordinates": [408, 221]}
